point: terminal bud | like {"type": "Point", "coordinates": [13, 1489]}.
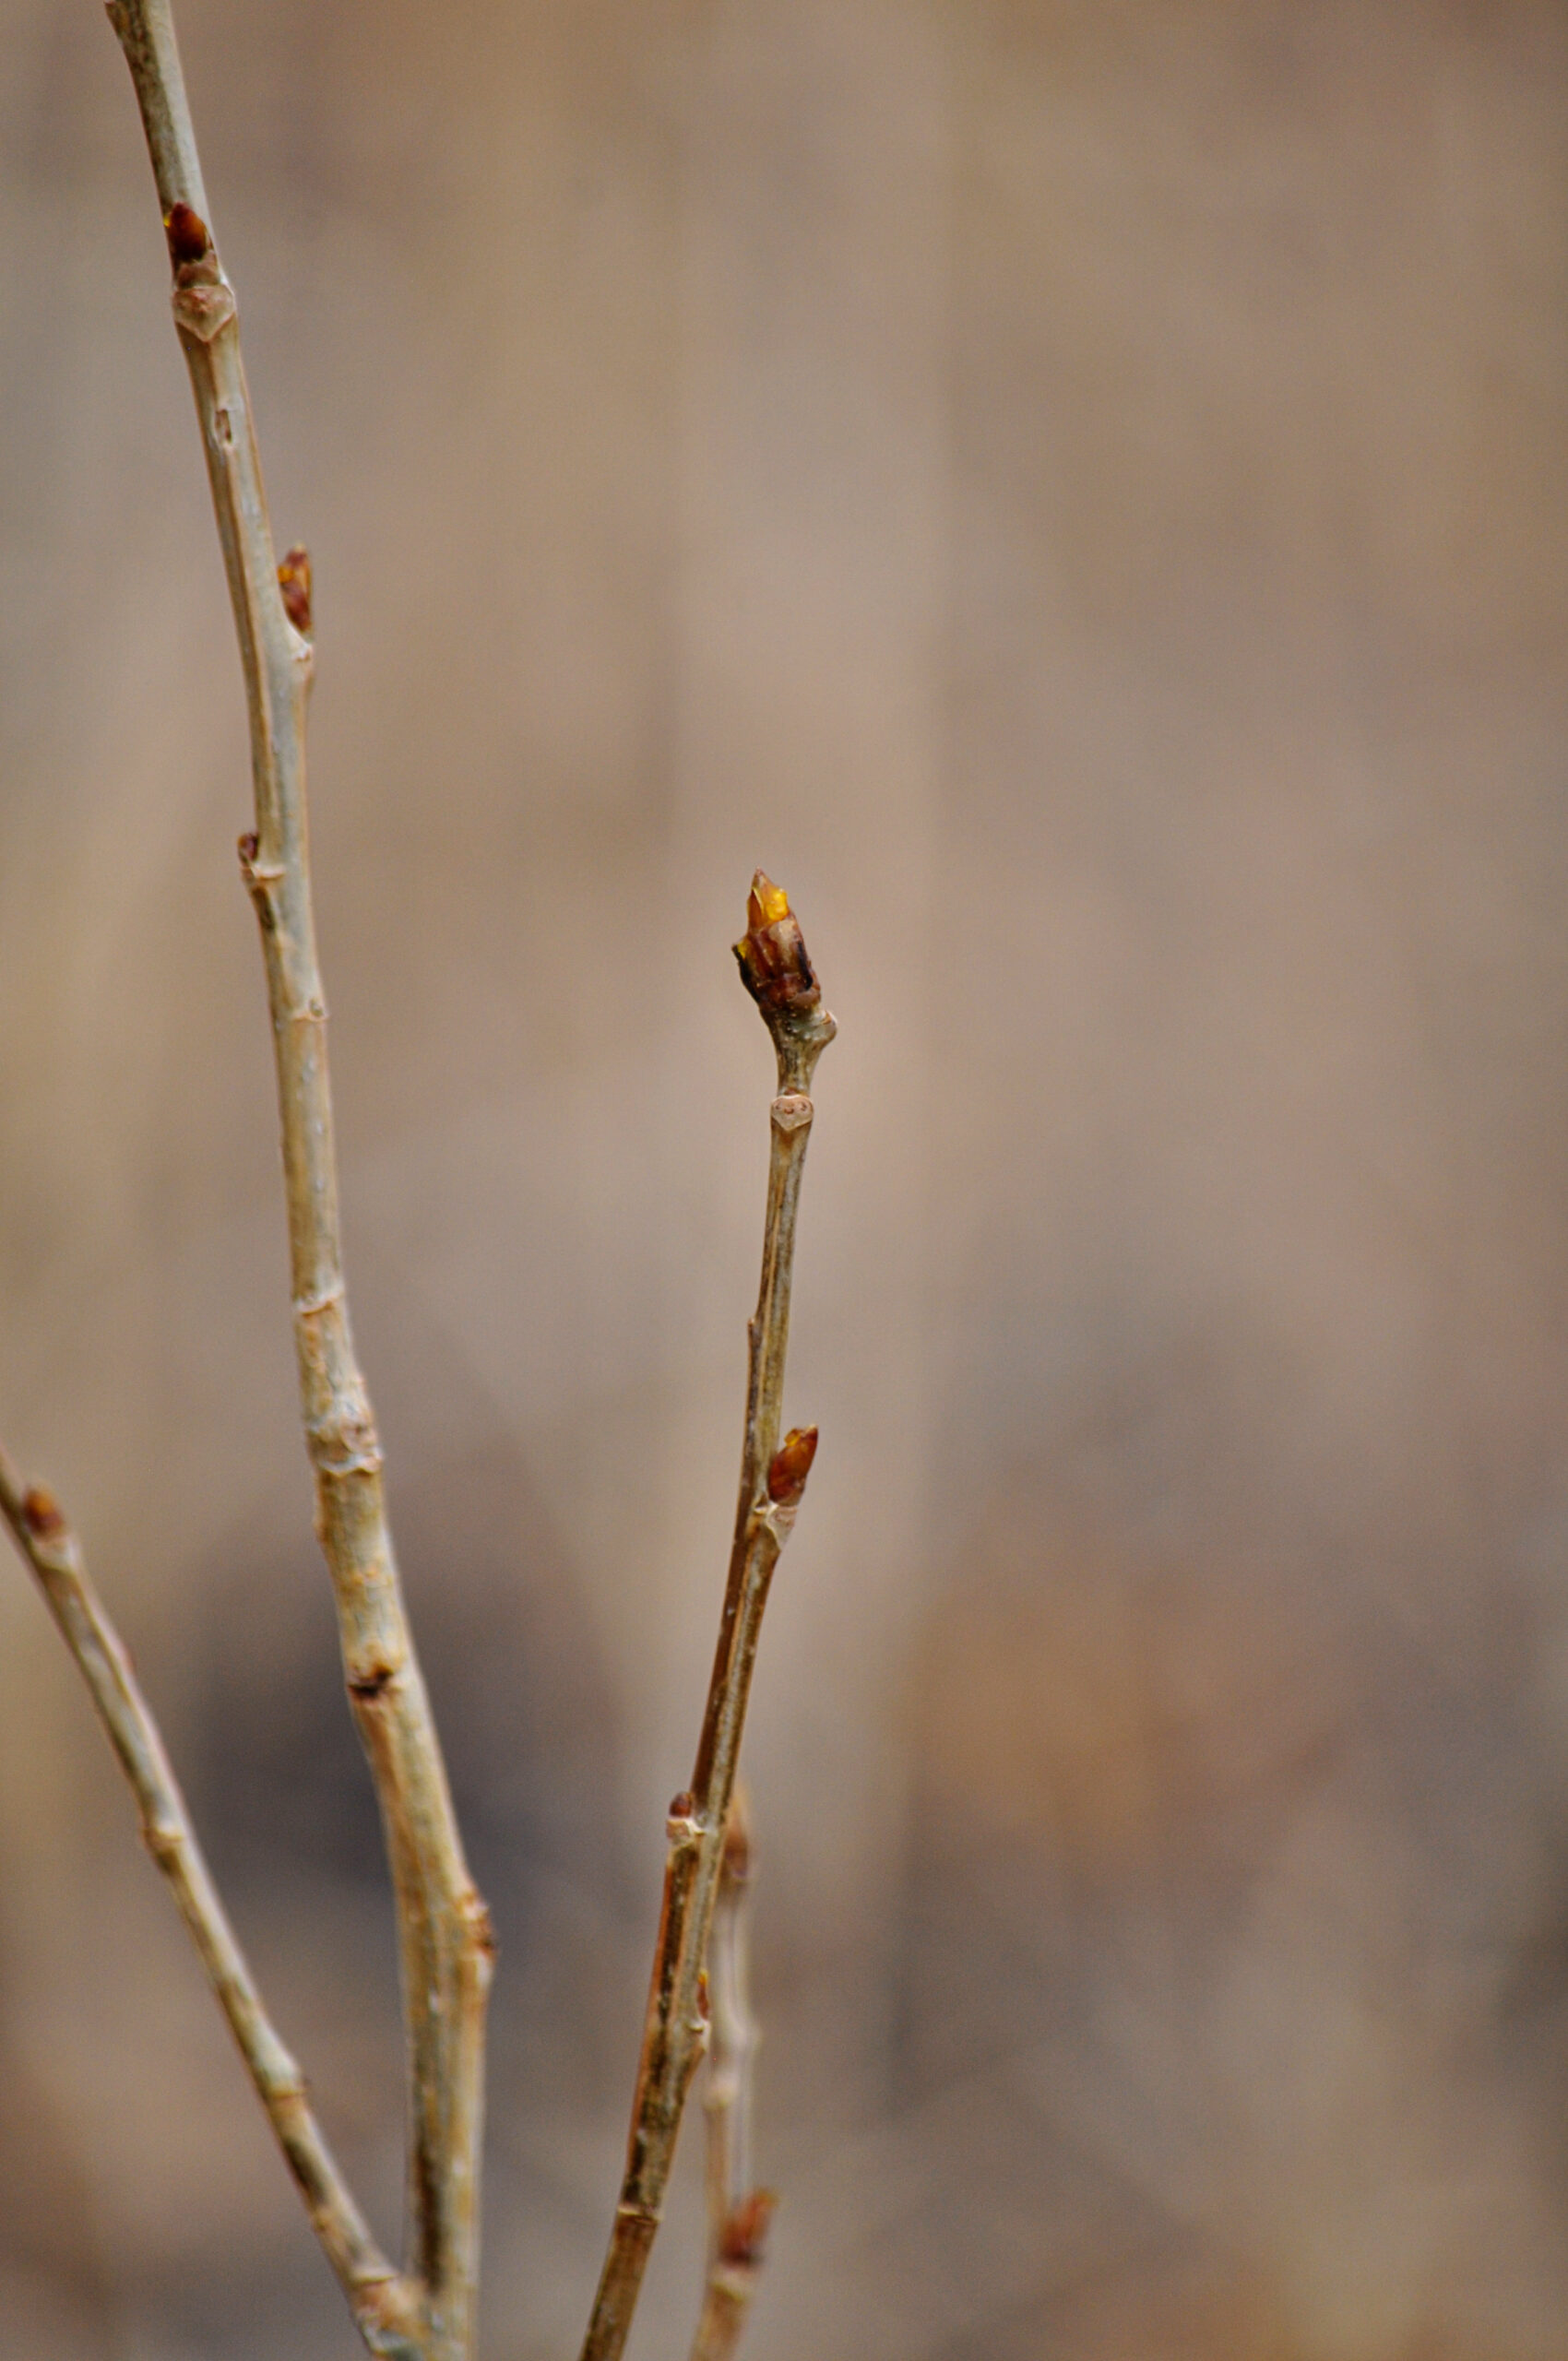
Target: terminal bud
{"type": "Point", "coordinates": [772, 951]}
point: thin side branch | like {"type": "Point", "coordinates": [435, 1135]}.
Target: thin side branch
{"type": "Point", "coordinates": [383, 2305]}
{"type": "Point", "coordinates": [733, 2033]}
{"type": "Point", "coordinates": [738, 2213]}
{"type": "Point", "coordinates": [778, 974]}
{"type": "Point", "coordinates": [444, 1937]}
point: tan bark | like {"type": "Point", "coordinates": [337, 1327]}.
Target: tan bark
{"type": "Point", "coordinates": [443, 1937]}
{"type": "Point", "coordinates": [738, 2213]}
{"type": "Point", "coordinates": [779, 974]}
{"type": "Point", "coordinates": [385, 2306]}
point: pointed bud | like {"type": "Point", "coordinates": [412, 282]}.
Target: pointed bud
{"type": "Point", "coordinates": [772, 953]}
{"type": "Point", "coordinates": [293, 580]}
{"type": "Point", "coordinates": [186, 233]}
{"type": "Point", "coordinates": [791, 1465]}
{"type": "Point", "coordinates": [767, 903]}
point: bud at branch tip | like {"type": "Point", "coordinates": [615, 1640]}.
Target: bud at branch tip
{"type": "Point", "coordinates": [772, 953]}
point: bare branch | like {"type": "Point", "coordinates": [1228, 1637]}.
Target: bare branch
{"type": "Point", "coordinates": [779, 976]}
{"type": "Point", "coordinates": [444, 1943]}
{"type": "Point", "coordinates": [385, 2307]}
{"type": "Point", "coordinates": [738, 2214]}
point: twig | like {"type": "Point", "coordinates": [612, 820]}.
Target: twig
{"type": "Point", "coordinates": [738, 2214]}
{"type": "Point", "coordinates": [779, 976]}
{"type": "Point", "coordinates": [733, 2033]}
{"type": "Point", "coordinates": [385, 2305]}
{"type": "Point", "coordinates": [444, 1943]}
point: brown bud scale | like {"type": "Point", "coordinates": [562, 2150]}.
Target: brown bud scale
{"type": "Point", "coordinates": [745, 2232]}
{"type": "Point", "coordinates": [293, 580]}
{"type": "Point", "coordinates": [42, 1514]}
{"type": "Point", "coordinates": [791, 1465]}
{"type": "Point", "coordinates": [772, 953]}
{"type": "Point", "coordinates": [186, 233]}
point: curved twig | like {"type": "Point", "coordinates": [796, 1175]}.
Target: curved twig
{"type": "Point", "coordinates": [383, 2305]}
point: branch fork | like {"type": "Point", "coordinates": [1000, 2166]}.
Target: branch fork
{"type": "Point", "coordinates": [426, 2311]}
{"type": "Point", "coordinates": [446, 1950]}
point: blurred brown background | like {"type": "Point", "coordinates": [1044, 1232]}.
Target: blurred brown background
{"type": "Point", "coordinates": [1078, 492]}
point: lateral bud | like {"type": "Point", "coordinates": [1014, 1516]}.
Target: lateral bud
{"type": "Point", "coordinates": [789, 1467]}
{"type": "Point", "coordinates": [203, 300]}
{"type": "Point", "coordinates": [293, 580]}
{"type": "Point", "coordinates": [188, 236]}
{"type": "Point", "coordinates": [772, 953]}
{"type": "Point", "coordinates": [681, 1823]}
{"type": "Point", "coordinates": [745, 2232]}
{"type": "Point", "coordinates": [42, 1514]}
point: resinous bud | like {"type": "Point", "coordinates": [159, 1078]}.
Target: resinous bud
{"type": "Point", "coordinates": [772, 951]}
{"type": "Point", "coordinates": [767, 903]}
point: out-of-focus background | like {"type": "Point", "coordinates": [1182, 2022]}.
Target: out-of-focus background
{"type": "Point", "coordinates": [1076, 491]}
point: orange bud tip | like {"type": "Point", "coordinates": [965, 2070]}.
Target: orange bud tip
{"type": "Point", "coordinates": [705, 2003]}
{"type": "Point", "coordinates": [767, 903]}
{"type": "Point", "coordinates": [42, 1514]}
{"type": "Point", "coordinates": [250, 845]}
{"type": "Point", "coordinates": [186, 233]}
{"type": "Point", "coordinates": [772, 954]}
{"type": "Point", "coordinates": [745, 2232]}
{"type": "Point", "coordinates": [791, 1465]}
{"type": "Point", "coordinates": [293, 580]}
{"type": "Point", "coordinates": [682, 1806]}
